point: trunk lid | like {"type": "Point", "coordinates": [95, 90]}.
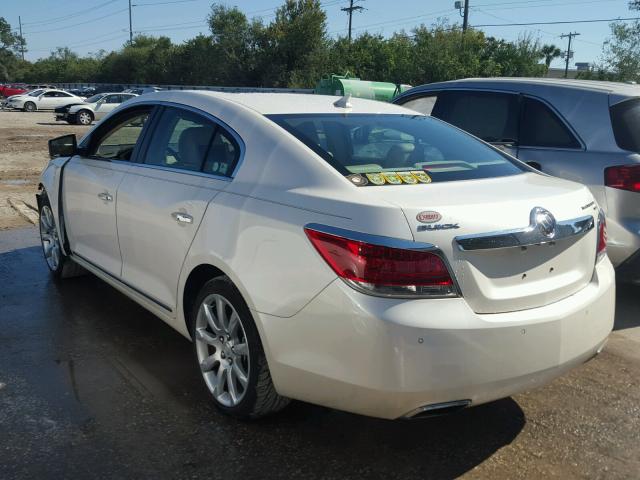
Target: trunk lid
{"type": "Point", "coordinates": [498, 280]}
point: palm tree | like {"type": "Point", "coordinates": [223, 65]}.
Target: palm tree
{"type": "Point", "coordinates": [550, 52]}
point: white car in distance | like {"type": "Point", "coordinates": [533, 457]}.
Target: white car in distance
{"type": "Point", "coordinates": [348, 253]}
{"type": "Point", "coordinates": [93, 108]}
{"type": "Point", "coordinates": [42, 100]}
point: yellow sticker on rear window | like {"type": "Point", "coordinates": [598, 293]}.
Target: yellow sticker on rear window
{"type": "Point", "coordinates": [376, 178]}
{"type": "Point", "coordinates": [422, 177]}
{"type": "Point", "coordinates": [407, 177]}
{"type": "Point", "coordinates": [392, 177]}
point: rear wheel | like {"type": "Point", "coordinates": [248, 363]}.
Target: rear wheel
{"type": "Point", "coordinates": [29, 107]}
{"type": "Point", "coordinates": [229, 353]}
{"type": "Point", "coordinates": [84, 117]}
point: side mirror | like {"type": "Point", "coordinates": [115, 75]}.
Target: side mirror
{"type": "Point", "coordinates": [65, 146]}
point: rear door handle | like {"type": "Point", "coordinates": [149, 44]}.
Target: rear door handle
{"type": "Point", "coordinates": [182, 217]}
{"type": "Point", "coordinates": [105, 196]}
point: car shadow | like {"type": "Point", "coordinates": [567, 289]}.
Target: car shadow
{"type": "Point", "coordinates": [627, 306]}
{"type": "Point", "coordinates": [123, 382]}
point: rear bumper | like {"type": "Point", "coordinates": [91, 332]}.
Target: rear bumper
{"type": "Point", "coordinates": [388, 358]}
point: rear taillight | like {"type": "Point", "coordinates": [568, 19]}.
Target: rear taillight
{"type": "Point", "coordinates": [601, 249]}
{"type": "Point", "coordinates": [382, 270]}
{"type": "Point", "coordinates": [623, 177]}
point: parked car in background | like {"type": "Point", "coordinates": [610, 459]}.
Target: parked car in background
{"type": "Point", "coordinates": [12, 89]}
{"type": "Point", "coordinates": [143, 90]}
{"type": "Point", "coordinates": [585, 131]}
{"type": "Point", "coordinates": [349, 253]}
{"type": "Point", "coordinates": [93, 108]}
{"type": "Point", "coordinates": [42, 99]}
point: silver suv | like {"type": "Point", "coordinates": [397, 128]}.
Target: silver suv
{"type": "Point", "coordinates": [585, 131]}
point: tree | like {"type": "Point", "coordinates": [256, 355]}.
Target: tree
{"type": "Point", "coordinates": [621, 52]}
{"type": "Point", "coordinates": [294, 46]}
{"type": "Point", "coordinates": [10, 45]}
{"type": "Point", "coordinates": [550, 52]}
{"type": "Point", "coordinates": [234, 42]}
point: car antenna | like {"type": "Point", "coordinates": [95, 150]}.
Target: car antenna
{"type": "Point", "coordinates": [343, 102]}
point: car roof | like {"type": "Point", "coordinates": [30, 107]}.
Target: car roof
{"type": "Point", "coordinates": [278, 103]}
{"type": "Point", "coordinates": [618, 88]}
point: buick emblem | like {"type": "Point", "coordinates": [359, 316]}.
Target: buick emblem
{"type": "Point", "coordinates": [428, 217]}
{"type": "Point", "coordinates": [544, 221]}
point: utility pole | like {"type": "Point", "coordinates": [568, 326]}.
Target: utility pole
{"type": "Point", "coordinates": [130, 25]}
{"type": "Point", "coordinates": [465, 21]}
{"type": "Point", "coordinates": [569, 53]}
{"type": "Point", "coordinates": [350, 9]}
{"type": "Point", "coordinates": [21, 39]}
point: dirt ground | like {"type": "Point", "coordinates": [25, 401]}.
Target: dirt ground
{"type": "Point", "coordinates": [23, 155]}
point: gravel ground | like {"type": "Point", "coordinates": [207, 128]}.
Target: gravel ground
{"type": "Point", "coordinates": [93, 386]}
{"type": "Point", "coordinates": [23, 155]}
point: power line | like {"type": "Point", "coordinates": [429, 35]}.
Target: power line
{"type": "Point", "coordinates": [78, 24]}
{"type": "Point", "coordinates": [562, 22]}
{"type": "Point", "coordinates": [162, 3]}
{"type": "Point", "coordinates": [73, 15]}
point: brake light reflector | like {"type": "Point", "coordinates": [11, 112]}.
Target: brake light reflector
{"type": "Point", "coordinates": [623, 177]}
{"type": "Point", "coordinates": [382, 270]}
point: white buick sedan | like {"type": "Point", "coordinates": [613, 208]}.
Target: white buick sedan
{"type": "Point", "coordinates": [347, 253]}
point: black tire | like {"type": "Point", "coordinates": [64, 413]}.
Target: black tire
{"type": "Point", "coordinates": [260, 398]}
{"type": "Point", "coordinates": [81, 119]}
{"type": "Point", "coordinates": [29, 107]}
{"type": "Point", "coordinates": [65, 267]}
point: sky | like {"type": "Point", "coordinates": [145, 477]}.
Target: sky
{"type": "Point", "coordinates": [90, 25]}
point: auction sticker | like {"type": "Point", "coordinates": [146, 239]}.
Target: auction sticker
{"type": "Point", "coordinates": [376, 178]}
{"type": "Point", "coordinates": [422, 177]}
{"type": "Point", "coordinates": [407, 177]}
{"type": "Point", "coordinates": [393, 178]}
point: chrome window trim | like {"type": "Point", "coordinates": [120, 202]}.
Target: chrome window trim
{"type": "Point", "coordinates": [176, 170]}
{"type": "Point", "coordinates": [390, 242]}
{"type": "Point", "coordinates": [524, 237]}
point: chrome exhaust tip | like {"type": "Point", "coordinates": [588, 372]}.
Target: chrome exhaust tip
{"type": "Point", "coordinates": [437, 409]}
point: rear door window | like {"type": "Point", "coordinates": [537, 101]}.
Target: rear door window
{"type": "Point", "coordinates": [541, 127]}
{"type": "Point", "coordinates": [491, 116]}
{"type": "Point", "coordinates": [625, 119]}
{"type": "Point", "coordinates": [181, 139]}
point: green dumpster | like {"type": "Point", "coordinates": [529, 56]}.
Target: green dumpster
{"type": "Point", "coordinates": [341, 85]}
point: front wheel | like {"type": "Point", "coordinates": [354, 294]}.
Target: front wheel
{"type": "Point", "coordinates": [60, 265]}
{"type": "Point", "coordinates": [29, 107]}
{"type": "Point", "coordinates": [229, 353]}
{"type": "Point", "coordinates": [84, 117]}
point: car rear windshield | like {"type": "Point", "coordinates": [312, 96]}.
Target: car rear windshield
{"type": "Point", "coordinates": [625, 118]}
{"type": "Point", "coordinates": [369, 144]}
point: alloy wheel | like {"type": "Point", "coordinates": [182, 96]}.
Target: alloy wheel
{"type": "Point", "coordinates": [222, 350]}
{"type": "Point", "coordinates": [49, 238]}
